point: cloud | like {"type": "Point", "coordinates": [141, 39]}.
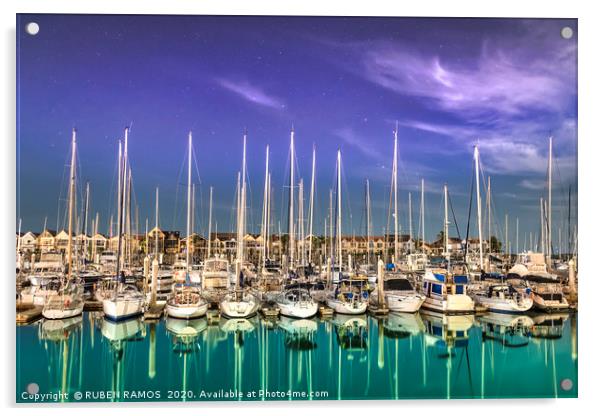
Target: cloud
{"type": "Point", "coordinates": [251, 93]}
{"type": "Point", "coordinates": [533, 184]}
{"type": "Point", "coordinates": [360, 143]}
{"type": "Point", "coordinates": [499, 82]}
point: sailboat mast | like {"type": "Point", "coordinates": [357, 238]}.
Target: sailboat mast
{"type": "Point", "coordinates": [516, 236]}
{"type": "Point", "coordinates": [157, 223]}
{"type": "Point", "coordinates": [210, 221]}
{"type": "Point", "coordinates": [189, 202]}
{"type": "Point", "coordinates": [549, 206]}
{"type": "Point", "coordinates": [268, 217]}
{"type": "Point", "coordinates": [300, 222]}
{"type": "Point", "coordinates": [395, 217]}
{"type": "Point", "coordinates": [120, 185]}
{"type": "Point", "coordinates": [477, 173]}
{"type": "Point", "coordinates": [291, 202]}
{"type": "Point", "coordinates": [71, 203]}
{"type": "Point", "coordinates": [124, 199]}
{"type": "Point", "coordinates": [264, 219]}
{"type": "Point", "coordinates": [330, 226]}
{"type": "Point", "coordinates": [410, 220]}
{"type": "Point", "coordinates": [445, 224]}
{"type": "Point", "coordinates": [542, 236]}
{"type": "Point", "coordinates": [339, 215]}
{"type": "Point", "coordinates": [85, 227]}
{"type": "Point", "coordinates": [312, 190]}
{"type": "Point", "coordinates": [422, 207]}
{"type": "Point", "coordinates": [489, 213]}
{"type": "Point", "coordinates": [368, 220]}
{"type": "Point", "coordinates": [242, 203]}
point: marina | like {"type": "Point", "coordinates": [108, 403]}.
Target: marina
{"type": "Point", "coordinates": [396, 227]}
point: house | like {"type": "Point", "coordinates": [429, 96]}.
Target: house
{"type": "Point", "coordinates": [47, 241]}
{"type": "Point", "coordinates": [29, 241]}
{"type": "Point", "coordinates": [62, 241]}
{"type": "Point", "coordinates": [171, 246]}
{"type": "Point", "coordinates": [99, 243]}
{"type": "Point", "coordinates": [156, 240]}
{"type": "Point", "coordinates": [198, 246]}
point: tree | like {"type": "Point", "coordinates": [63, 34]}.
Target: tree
{"type": "Point", "coordinates": [496, 245]}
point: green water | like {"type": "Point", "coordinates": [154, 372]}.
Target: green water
{"type": "Point", "coordinates": [396, 357]}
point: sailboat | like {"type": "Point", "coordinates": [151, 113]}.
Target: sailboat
{"type": "Point", "coordinates": [350, 296]}
{"type": "Point", "coordinates": [296, 301]}
{"type": "Point", "coordinates": [446, 290]}
{"type": "Point", "coordinates": [186, 301]}
{"type": "Point", "coordinates": [68, 301]}
{"type": "Point", "coordinates": [126, 301]}
{"type": "Point", "coordinates": [240, 303]}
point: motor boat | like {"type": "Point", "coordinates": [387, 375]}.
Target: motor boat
{"type": "Point", "coordinates": [549, 297]}
{"type": "Point", "coordinates": [531, 265]}
{"type": "Point", "coordinates": [216, 278]}
{"type": "Point", "coordinates": [504, 298]}
{"type": "Point", "coordinates": [446, 292]}
{"type": "Point", "coordinates": [399, 295]}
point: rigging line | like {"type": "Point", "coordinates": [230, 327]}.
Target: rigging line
{"type": "Point", "coordinates": [200, 217]}
{"type": "Point", "coordinates": [469, 212]}
{"type": "Point", "coordinates": [175, 212]}
{"type": "Point", "coordinates": [453, 213]}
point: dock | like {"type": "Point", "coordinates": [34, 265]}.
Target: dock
{"type": "Point", "coordinates": [154, 312]}
{"type": "Point", "coordinates": [480, 309]}
{"type": "Point", "coordinates": [92, 305]}
{"type": "Point", "coordinates": [213, 317]}
{"type": "Point", "coordinates": [270, 311]}
{"type": "Point", "coordinates": [378, 310]}
{"type": "Point", "coordinates": [326, 312]}
{"type": "Point", "coordinates": [28, 313]}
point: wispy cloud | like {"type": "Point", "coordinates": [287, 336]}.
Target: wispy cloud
{"type": "Point", "coordinates": [251, 93]}
{"type": "Point", "coordinates": [362, 144]}
{"type": "Point", "coordinates": [533, 184]}
{"type": "Point", "coordinates": [499, 82]}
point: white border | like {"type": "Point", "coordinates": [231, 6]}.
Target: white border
{"type": "Point", "coordinates": [590, 70]}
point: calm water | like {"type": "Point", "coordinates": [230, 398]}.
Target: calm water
{"type": "Point", "coordinates": [396, 357]}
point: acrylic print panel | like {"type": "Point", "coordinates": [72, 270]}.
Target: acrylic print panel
{"type": "Point", "coordinates": [310, 208]}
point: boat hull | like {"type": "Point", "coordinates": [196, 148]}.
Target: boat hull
{"type": "Point", "coordinates": [246, 307]}
{"type": "Point", "coordinates": [550, 305]}
{"type": "Point", "coordinates": [452, 305]}
{"type": "Point", "coordinates": [401, 302]}
{"type": "Point", "coordinates": [301, 310]}
{"type": "Point", "coordinates": [504, 305]}
{"type": "Point", "coordinates": [122, 309]}
{"type": "Point", "coordinates": [55, 313]}
{"type": "Point", "coordinates": [347, 308]}
{"type": "Point", "coordinates": [187, 311]}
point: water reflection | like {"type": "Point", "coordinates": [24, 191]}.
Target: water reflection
{"type": "Point", "coordinates": [395, 356]}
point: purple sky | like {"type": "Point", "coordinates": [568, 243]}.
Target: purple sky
{"type": "Point", "coordinates": [343, 82]}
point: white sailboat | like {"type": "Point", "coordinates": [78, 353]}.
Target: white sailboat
{"type": "Point", "coordinates": [240, 303]}
{"type": "Point", "coordinates": [68, 301]}
{"type": "Point", "coordinates": [349, 296]}
{"type": "Point", "coordinates": [186, 301]}
{"type": "Point", "coordinates": [297, 302]}
{"type": "Point", "coordinates": [127, 301]}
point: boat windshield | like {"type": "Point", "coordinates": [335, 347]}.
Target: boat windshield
{"type": "Point", "coordinates": [398, 284]}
